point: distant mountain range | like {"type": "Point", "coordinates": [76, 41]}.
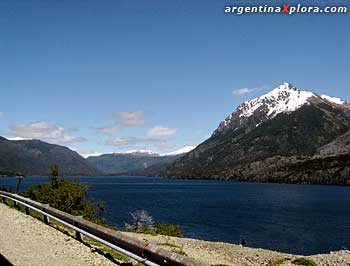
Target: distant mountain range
{"type": "Point", "coordinates": [287, 135]}
{"type": "Point", "coordinates": [33, 157]}
{"type": "Point", "coordinates": [132, 163]}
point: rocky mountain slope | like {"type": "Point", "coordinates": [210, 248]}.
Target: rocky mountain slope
{"type": "Point", "coordinates": [281, 127]}
{"type": "Point", "coordinates": [340, 145]}
{"type": "Point", "coordinates": [33, 157]}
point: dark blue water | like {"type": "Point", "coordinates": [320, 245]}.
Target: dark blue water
{"type": "Point", "coordinates": [304, 219]}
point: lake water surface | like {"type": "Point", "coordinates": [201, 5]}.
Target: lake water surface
{"type": "Point", "coordinates": [303, 219]}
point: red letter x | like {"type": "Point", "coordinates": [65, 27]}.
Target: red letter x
{"type": "Point", "coordinates": [285, 9]}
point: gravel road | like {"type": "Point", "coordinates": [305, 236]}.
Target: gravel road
{"type": "Point", "coordinates": [26, 241]}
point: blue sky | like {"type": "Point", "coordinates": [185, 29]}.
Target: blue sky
{"type": "Point", "coordinates": [107, 76]}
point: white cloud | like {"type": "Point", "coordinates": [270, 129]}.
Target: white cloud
{"type": "Point", "coordinates": [159, 131]}
{"type": "Point", "coordinates": [2, 114]}
{"type": "Point", "coordinates": [45, 131]}
{"type": "Point", "coordinates": [243, 91]}
{"type": "Point", "coordinates": [109, 129]}
{"type": "Point", "coordinates": [127, 118]}
{"type": "Point", "coordinates": [133, 141]}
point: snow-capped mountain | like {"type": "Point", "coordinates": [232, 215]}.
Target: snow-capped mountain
{"type": "Point", "coordinates": [281, 126]}
{"type": "Point", "coordinates": [285, 98]}
{"type": "Point", "coordinates": [140, 152]}
{"type": "Point", "coordinates": [135, 161]}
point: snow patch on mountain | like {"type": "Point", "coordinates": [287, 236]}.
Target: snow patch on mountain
{"type": "Point", "coordinates": [87, 153]}
{"type": "Point", "coordinates": [185, 149]}
{"type": "Point", "coordinates": [284, 98]}
{"type": "Point", "coordinates": [332, 99]}
{"type": "Point", "coordinates": [182, 150]}
{"type": "Point", "coordinates": [17, 138]}
{"type": "Point", "coordinates": [140, 152]}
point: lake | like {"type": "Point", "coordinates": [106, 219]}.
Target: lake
{"type": "Point", "coordinates": [302, 219]}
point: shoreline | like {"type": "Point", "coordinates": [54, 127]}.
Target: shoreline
{"type": "Point", "coordinates": [226, 254]}
{"type": "Point", "coordinates": [193, 179]}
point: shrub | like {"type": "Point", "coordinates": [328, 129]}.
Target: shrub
{"type": "Point", "coordinates": [168, 230]}
{"type": "Point", "coordinates": [244, 243]}
{"type": "Point", "coordinates": [304, 262]}
{"type": "Point", "coordinates": [143, 222]}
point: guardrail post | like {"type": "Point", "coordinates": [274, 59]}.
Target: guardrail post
{"type": "Point", "coordinates": [79, 236]}
{"type": "Point", "coordinates": [27, 210]}
{"type": "Point", "coordinates": [46, 218]}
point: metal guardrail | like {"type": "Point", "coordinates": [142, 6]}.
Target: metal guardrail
{"type": "Point", "coordinates": [146, 253]}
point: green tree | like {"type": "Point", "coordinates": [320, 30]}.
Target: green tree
{"type": "Point", "coordinates": [19, 181]}
{"type": "Point", "coordinates": [53, 174]}
{"type": "Point", "coordinates": [68, 196]}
